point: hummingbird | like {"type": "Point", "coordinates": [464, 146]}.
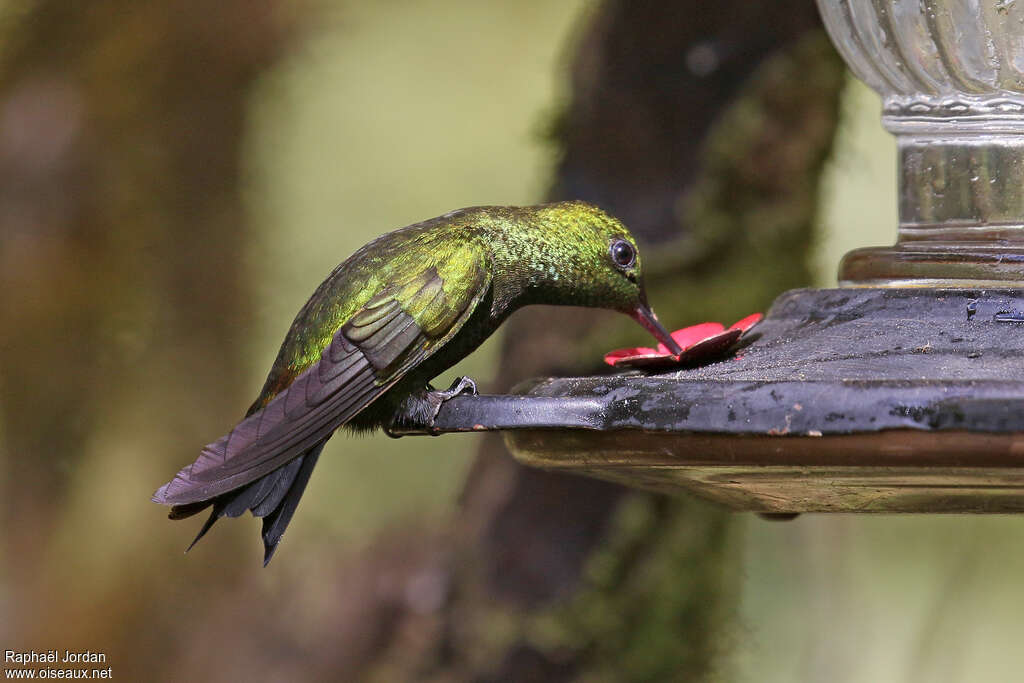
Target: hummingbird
{"type": "Point", "coordinates": [402, 309]}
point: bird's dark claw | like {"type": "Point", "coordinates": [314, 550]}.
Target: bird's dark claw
{"type": "Point", "coordinates": [463, 386]}
{"type": "Point", "coordinates": [417, 413]}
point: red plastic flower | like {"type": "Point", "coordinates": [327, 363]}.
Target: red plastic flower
{"type": "Point", "coordinates": [699, 343]}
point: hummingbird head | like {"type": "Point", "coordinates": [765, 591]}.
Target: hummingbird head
{"type": "Point", "coordinates": [589, 258]}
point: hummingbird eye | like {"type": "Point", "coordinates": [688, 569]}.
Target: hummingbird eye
{"type": "Point", "coordinates": [623, 254]}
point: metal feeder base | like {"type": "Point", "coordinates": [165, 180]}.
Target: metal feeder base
{"type": "Point", "coordinates": [844, 400]}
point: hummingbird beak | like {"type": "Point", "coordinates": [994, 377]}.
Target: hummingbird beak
{"type": "Point", "coordinates": [645, 316]}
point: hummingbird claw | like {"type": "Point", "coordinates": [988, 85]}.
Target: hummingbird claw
{"type": "Point", "coordinates": [417, 413]}
{"type": "Point", "coordinates": [463, 386]}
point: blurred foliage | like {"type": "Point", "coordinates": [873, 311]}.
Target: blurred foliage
{"type": "Point", "coordinates": [858, 187]}
{"type": "Point", "coordinates": [387, 114]}
{"type": "Point", "coordinates": [176, 177]}
{"type": "Point", "coordinates": [120, 235]}
{"type": "Point", "coordinates": [172, 186]}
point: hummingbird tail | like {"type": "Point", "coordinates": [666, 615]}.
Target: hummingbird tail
{"type": "Point", "coordinates": [274, 497]}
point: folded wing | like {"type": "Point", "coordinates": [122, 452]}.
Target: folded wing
{"type": "Point", "coordinates": [392, 333]}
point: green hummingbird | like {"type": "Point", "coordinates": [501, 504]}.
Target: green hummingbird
{"type": "Point", "coordinates": [390, 318]}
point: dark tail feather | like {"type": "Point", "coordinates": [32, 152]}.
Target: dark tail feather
{"type": "Point", "coordinates": [273, 497]}
{"type": "Point", "coordinates": [277, 521]}
{"type": "Point", "coordinates": [214, 516]}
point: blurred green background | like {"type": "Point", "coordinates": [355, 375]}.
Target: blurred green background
{"type": "Point", "coordinates": [369, 127]}
{"type": "Point", "coordinates": [376, 115]}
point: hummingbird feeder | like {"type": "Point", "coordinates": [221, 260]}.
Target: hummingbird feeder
{"type": "Point", "coordinates": [902, 390]}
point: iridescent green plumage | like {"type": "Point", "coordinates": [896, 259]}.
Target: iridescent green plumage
{"type": "Point", "coordinates": [391, 317]}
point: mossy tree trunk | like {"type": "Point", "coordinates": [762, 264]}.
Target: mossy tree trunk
{"type": "Point", "coordinates": [122, 240]}
{"type": "Point", "coordinates": [704, 128]}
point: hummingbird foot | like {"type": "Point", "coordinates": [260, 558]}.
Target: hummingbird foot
{"type": "Point", "coordinates": [463, 386]}
{"type": "Point", "coordinates": [417, 412]}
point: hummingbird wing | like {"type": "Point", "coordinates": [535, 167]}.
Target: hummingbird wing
{"type": "Point", "coordinates": [392, 333]}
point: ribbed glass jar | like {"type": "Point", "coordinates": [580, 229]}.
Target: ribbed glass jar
{"type": "Point", "coordinates": [951, 77]}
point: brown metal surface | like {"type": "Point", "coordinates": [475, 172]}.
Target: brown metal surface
{"type": "Point", "coordinates": [888, 471]}
{"type": "Point", "coordinates": [968, 264]}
